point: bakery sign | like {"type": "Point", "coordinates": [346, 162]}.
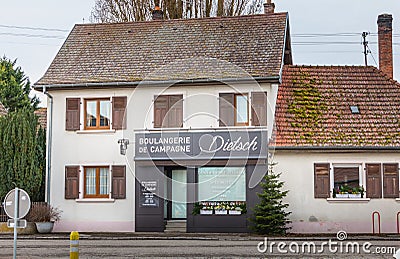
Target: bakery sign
{"type": "Point", "coordinates": [201, 145]}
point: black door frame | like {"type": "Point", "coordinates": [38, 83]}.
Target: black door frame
{"type": "Point", "coordinates": [168, 173]}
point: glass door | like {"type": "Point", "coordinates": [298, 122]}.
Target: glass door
{"type": "Point", "coordinates": [178, 194]}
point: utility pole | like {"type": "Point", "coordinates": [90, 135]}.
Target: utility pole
{"type": "Point", "coordinates": [365, 43]}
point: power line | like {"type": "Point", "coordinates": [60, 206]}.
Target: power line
{"type": "Point", "coordinates": [32, 28]}
{"type": "Point", "coordinates": [372, 55]}
{"type": "Point", "coordinates": [33, 35]}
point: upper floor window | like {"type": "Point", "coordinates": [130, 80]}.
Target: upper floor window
{"type": "Point", "coordinates": [241, 110]}
{"type": "Point", "coordinates": [234, 109]}
{"type": "Point", "coordinates": [97, 113]}
{"type": "Point", "coordinates": [168, 111]}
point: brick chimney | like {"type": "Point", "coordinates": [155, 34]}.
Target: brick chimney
{"type": "Point", "coordinates": [385, 44]}
{"type": "Point", "coordinates": [269, 7]}
{"type": "Point", "coordinates": [157, 13]}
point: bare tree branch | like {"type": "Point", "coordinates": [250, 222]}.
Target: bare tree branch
{"type": "Point", "coordinates": [140, 10]}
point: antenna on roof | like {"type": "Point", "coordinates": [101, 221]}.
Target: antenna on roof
{"type": "Point", "coordinates": [365, 43]}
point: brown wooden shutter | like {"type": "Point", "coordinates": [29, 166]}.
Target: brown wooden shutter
{"type": "Point", "coordinates": [119, 112]}
{"type": "Point", "coordinates": [160, 110]}
{"type": "Point", "coordinates": [391, 180]}
{"type": "Point", "coordinates": [374, 184]}
{"type": "Point", "coordinates": [175, 111]}
{"type": "Point", "coordinates": [259, 108]}
{"type": "Point", "coordinates": [118, 189]}
{"type": "Point", "coordinates": [321, 181]}
{"type": "Point", "coordinates": [72, 120]}
{"type": "Point", "coordinates": [71, 182]}
{"type": "Point", "coordinates": [226, 110]}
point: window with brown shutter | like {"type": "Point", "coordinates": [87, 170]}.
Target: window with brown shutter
{"type": "Point", "coordinates": [391, 180]}
{"type": "Point", "coordinates": [259, 108]}
{"type": "Point", "coordinates": [118, 189]}
{"type": "Point", "coordinates": [321, 181]}
{"type": "Point", "coordinates": [374, 183]}
{"type": "Point", "coordinates": [72, 114]}
{"type": "Point", "coordinates": [226, 109]}
{"type": "Point", "coordinates": [119, 112]}
{"type": "Point", "coordinates": [71, 182]}
{"type": "Point", "coordinates": [168, 111]}
{"type": "Point", "coordinates": [97, 114]}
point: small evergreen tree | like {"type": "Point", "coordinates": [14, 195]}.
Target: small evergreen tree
{"type": "Point", "coordinates": [270, 215]}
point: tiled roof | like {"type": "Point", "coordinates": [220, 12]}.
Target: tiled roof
{"type": "Point", "coordinates": [313, 108]}
{"type": "Point", "coordinates": [3, 110]}
{"type": "Point", "coordinates": [42, 117]}
{"type": "Point", "coordinates": [171, 50]}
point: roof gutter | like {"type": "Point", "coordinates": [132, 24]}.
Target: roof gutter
{"type": "Point", "coordinates": [268, 79]}
{"type": "Point", "coordinates": [49, 144]}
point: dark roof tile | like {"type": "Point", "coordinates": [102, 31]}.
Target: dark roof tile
{"type": "Point", "coordinates": [212, 48]}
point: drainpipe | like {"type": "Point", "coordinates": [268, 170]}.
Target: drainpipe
{"type": "Point", "coordinates": [49, 143]}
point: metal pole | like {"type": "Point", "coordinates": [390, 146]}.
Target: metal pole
{"type": "Point", "coordinates": [16, 216]}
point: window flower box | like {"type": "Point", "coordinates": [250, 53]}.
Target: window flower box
{"type": "Point", "coordinates": [221, 212]}
{"type": "Point", "coordinates": [235, 212]}
{"type": "Point", "coordinates": [349, 195]}
{"type": "Point", "coordinates": [206, 212]}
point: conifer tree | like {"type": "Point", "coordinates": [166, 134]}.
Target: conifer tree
{"type": "Point", "coordinates": [22, 149]}
{"type": "Point", "coordinates": [270, 215]}
{"type": "Point", "coordinates": [15, 87]}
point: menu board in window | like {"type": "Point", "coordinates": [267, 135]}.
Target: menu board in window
{"type": "Point", "coordinates": [148, 198]}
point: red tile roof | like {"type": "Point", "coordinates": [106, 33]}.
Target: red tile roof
{"type": "Point", "coordinates": [207, 48]}
{"type": "Point", "coordinates": [313, 108]}
{"type": "Point", "coordinates": [42, 117]}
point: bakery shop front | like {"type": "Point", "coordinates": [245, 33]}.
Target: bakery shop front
{"type": "Point", "coordinates": [206, 180]}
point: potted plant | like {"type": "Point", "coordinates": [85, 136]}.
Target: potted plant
{"type": "Point", "coordinates": [44, 215]}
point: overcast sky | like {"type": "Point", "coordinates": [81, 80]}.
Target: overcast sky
{"type": "Point", "coordinates": [34, 49]}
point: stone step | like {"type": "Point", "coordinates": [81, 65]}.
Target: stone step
{"type": "Point", "coordinates": [175, 226]}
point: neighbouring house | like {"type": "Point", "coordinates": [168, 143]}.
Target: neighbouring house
{"type": "Point", "coordinates": [337, 143]}
{"type": "Point", "coordinates": [163, 124]}
{"type": "Point", "coordinates": [3, 110]}
{"type": "Point", "coordinates": [42, 117]}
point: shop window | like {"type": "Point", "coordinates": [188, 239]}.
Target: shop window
{"type": "Point", "coordinates": [221, 184]}
{"type": "Point", "coordinates": [97, 113]}
{"type": "Point", "coordinates": [234, 109]}
{"type": "Point", "coordinates": [168, 111]}
{"type": "Point", "coordinates": [96, 182]}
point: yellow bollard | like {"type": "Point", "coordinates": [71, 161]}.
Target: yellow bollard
{"type": "Point", "coordinates": [74, 245]}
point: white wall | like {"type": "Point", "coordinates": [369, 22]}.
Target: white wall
{"type": "Point", "coordinates": [101, 147]}
{"type": "Point", "coordinates": [298, 174]}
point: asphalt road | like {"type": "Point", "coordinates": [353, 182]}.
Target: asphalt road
{"type": "Point", "coordinates": [182, 248]}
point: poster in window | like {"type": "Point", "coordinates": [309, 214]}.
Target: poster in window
{"type": "Point", "coordinates": [148, 197]}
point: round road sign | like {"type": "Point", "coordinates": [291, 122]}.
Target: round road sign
{"type": "Point", "coordinates": [24, 203]}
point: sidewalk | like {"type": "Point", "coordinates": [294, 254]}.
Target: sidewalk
{"type": "Point", "coordinates": [197, 236]}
